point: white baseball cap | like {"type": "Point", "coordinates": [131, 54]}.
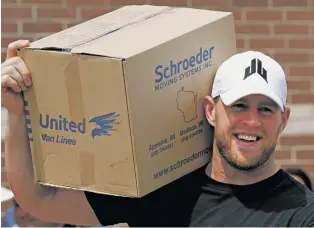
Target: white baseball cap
{"type": "Point", "coordinates": [247, 73]}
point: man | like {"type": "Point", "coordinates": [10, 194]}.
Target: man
{"type": "Point", "coordinates": [241, 186]}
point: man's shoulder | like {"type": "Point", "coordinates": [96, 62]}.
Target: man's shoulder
{"type": "Point", "coordinates": [303, 214]}
{"type": "Point", "coordinates": [302, 192]}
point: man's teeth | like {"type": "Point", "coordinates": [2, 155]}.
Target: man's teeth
{"type": "Point", "coordinates": [248, 138]}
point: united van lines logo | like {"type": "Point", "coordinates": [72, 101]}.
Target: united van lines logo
{"type": "Point", "coordinates": [252, 70]}
{"type": "Point", "coordinates": [105, 124]}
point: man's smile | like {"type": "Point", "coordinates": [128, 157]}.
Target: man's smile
{"type": "Point", "coordinates": [246, 139]}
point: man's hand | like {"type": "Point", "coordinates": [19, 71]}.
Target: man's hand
{"type": "Point", "coordinates": [15, 78]}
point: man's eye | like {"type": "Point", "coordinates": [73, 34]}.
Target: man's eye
{"type": "Point", "coordinates": [266, 110]}
{"type": "Point", "coordinates": [238, 107]}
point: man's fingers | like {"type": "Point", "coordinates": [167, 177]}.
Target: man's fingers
{"type": "Point", "coordinates": [12, 48]}
{"type": "Point", "coordinates": [20, 66]}
{"type": "Point", "coordinates": [8, 82]}
{"type": "Point", "coordinates": [15, 75]}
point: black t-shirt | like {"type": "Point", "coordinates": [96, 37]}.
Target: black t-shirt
{"type": "Point", "coordinates": [197, 200]}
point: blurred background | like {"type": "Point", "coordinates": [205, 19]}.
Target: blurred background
{"type": "Point", "coordinates": [283, 29]}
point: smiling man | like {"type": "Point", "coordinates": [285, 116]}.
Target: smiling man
{"type": "Point", "coordinates": [241, 186]}
{"type": "Point", "coordinates": [248, 110]}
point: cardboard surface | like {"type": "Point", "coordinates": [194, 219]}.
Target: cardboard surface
{"type": "Point", "coordinates": [116, 105]}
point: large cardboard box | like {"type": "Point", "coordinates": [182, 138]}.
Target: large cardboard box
{"type": "Point", "coordinates": [116, 105]}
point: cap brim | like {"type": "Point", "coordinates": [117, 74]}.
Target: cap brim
{"type": "Point", "coordinates": [235, 94]}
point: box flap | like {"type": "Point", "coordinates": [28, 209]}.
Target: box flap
{"type": "Point", "coordinates": [98, 27]}
{"type": "Point", "coordinates": [150, 33]}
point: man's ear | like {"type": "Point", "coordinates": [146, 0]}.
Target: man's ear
{"type": "Point", "coordinates": [210, 107]}
{"type": "Point", "coordinates": [285, 118]}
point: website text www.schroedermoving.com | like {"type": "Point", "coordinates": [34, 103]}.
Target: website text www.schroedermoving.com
{"type": "Point", "coordinates": [182, 163]}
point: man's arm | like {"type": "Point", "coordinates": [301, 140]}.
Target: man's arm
{"type": "Point", "coordinates": [47, 203]}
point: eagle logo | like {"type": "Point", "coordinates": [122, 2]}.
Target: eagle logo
{"type": "Point", "coordinates": [105, 124]}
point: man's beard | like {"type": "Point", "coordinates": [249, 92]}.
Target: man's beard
{"type": "Point", "coordinates": [250, 166]}
{"type": "Point", "coordinates": [225, 151]}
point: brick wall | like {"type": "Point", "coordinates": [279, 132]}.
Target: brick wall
{"type": "Point", "coordinates": [283, 29]}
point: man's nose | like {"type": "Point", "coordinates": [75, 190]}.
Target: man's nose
{"type": "Point", "coordinates": [252, 118]}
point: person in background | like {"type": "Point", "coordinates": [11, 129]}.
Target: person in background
{"type": "Point", "coordinates": [7, 207]}
{"type": "Point", "coordinates": [301, 176]}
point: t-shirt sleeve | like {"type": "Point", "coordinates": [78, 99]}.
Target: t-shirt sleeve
{"type": "Point", "coordinates": [310, 218]}
{"type": "Point", "coordinates": [111, 210]}
{"type": "Point", "coordinates": [304, 217]}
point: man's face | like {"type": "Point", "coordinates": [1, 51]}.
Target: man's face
{"type": "Point", "coordinates": [246, 132]}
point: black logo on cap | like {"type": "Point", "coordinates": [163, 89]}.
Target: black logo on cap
{"type": "Point", "coordinates": [252, 70]}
